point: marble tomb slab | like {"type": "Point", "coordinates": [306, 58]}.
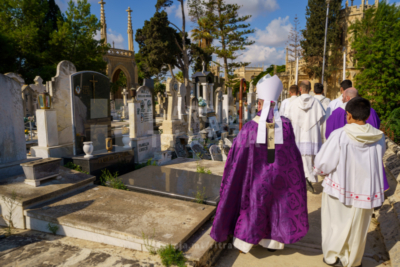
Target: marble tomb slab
{"type": "Point", "coordinates": [174, 183]}
{"type": "Point", "coordinates": [120, 217]}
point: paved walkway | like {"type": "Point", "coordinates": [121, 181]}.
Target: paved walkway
{"type": "Point", "coordinates": [307, 252]}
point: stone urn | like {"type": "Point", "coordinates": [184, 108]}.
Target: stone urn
{"type": "Point", "coordinates": [88, 149]}
{"type": "Point", "coordinates": [126, 139]}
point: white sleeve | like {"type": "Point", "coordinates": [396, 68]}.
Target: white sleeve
{"type": "Point", "coordinates": [282, 109]}
{"type": "Point", "coordinates": [327, 158]}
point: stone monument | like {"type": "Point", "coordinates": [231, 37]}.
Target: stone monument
{"type": "Point", "coordinates": [29, 100]}
{"type": "Point", "coordinates": [12, 140]}
{"type": "Point", "coordinates": [172, 127]}
{"type": "Point", "coordinates": [141, 123]}
{"type": "Point", "coordinates": [227, 107]}
{"type": "Point", "coordinates": [218, 104]}
{"type": "Point", "coordinates": [125, 111]}
{"type": "Point", "coordinates": [181, 103]}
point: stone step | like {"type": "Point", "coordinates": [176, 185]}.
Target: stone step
{"type": "Point", "coordinates": [121, 218]}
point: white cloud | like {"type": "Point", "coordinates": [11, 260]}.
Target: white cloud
{"type": "Point", "coordinates": [259, 54]}
{"type": "Point", "coordinates": [275, 34]}
{"type": "Point", "coordinates": [248, 7]}
{"type": "Point", "coordinates": [113, 36]}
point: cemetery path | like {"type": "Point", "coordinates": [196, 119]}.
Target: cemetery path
{"type": "Point", "coordinates": [307, 252]}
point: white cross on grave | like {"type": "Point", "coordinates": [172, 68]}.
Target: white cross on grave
{"type": "Point", "coordinates": [125, 97]}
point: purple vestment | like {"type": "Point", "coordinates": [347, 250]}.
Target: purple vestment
{"type": "Point", "coordinates": [338, 120]}
{"type": "Point", "coordinates": [259, 200]}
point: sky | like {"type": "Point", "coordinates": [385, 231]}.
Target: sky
{"type": "Point", "coordinates": [271, 19]}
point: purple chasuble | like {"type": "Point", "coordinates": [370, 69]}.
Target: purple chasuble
{"type": "Point", "coordinates": [338, 120]}
{"type": "Point", "coordinates": [259, 200]}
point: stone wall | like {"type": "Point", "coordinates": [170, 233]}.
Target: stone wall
{"type": "Point", "coordinates": [389, 214]}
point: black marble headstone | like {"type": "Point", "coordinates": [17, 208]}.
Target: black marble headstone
{"type": "Point", "coordinates": [92, 114]}
{"type": "Point", "coordinates": [174, 183]}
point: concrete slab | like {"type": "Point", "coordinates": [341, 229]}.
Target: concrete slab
{"type": "Point", "coordinates": [27, 195]}
{"type": "Point", "coordinates": [174, 183]}
{"type": "Point", "coordinates": [120, 218]}
{"type": "Point", "coordinates": [216, 167]}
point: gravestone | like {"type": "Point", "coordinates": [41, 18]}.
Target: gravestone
{"type": "Point", "coordinates": [124, 109]}
{"type": "Point", "coordinates": [59, 89]}
{"type": "Point", "coordinates": [227, 107]}
{"type": "Point", "coordinates": [214, 124]}
{"type": "Point", "coordinates": [172, 127]}
{"type": "Point", "coordinates": [143, 139]}
{"type": "Point", "coordinates": [218, 104]}
{"type": "Point", "coordinates": [12, 139]}
{"type": "Point", "coordinates": [159, 108]}
{"type": "Point", "coordinates": [29, 101]}
{"type": "Point", "coordinates": [194, 120]}
{"type": "Point", "coordinates": [181, 103]}
{"type": "Point", "coordinates": [90, 94]}
{"type": "Point", "coordinates": [165, 106]}
{"type": "Point", "coordinates": [199, 152]}
{"type": "Point", "coordinates": [215, 153]}
{"type": "Point", "coordinates": [38, 86]}
{"type": "Point", "coordinates": [180, 146]}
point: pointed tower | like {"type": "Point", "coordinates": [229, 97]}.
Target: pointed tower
{"type": "Point", "coordinates": [103, 31]}
{"type": "Point", "coordinates": [130, 31]}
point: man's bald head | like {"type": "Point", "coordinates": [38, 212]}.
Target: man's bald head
{"type": "Point", "coordinates": [305, 87]}
{"type": "Point", "coordinates": [349, 94]}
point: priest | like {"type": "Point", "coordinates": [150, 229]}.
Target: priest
{"type": "Point", "coordinates": [334, 104]}
{"type": "Point", "coordinates": [293, 92]}
{"type": "Point", "coordinates": [307, 116]}
{"type": "Point", "coordinates": [263, 196]}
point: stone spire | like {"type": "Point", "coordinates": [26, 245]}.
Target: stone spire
{"type": "Point", "coordinates": [130, 31]}
{"type": "Point", "coordinates": [103, 22]}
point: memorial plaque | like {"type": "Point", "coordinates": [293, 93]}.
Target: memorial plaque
{"type": "Point", "coordinates": [144, 112]}
{"type": "Point", "coordinates": [92, 115]}
{"type": "Point", "coordinates": [174, 183]}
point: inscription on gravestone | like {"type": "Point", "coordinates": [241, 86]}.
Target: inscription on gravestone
{"type": "Point", "coordinates": [92, 115]}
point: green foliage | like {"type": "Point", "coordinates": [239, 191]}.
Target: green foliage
{"type": "Point", "coordinates": [200, 195]}
{"type": "Point", "coordinates": [314, 35]}
{"type": "Point", "coordinates": [236, 88]}
{"type": "Point", "coordinates": [25, 27]}
{"type": "Point", "coordinates": [376, 43]}
{"type": "Point", "coordinates": [171, 256]}
{"type": "Point", "coordinates": [8, 214]}
{"type": "Point", "coordinates": [149, 241]}
{"type": "Point", "coordinates": [53, 228]}
{"type": "Point", "coordinates": [74, 40]}
{"type": "Point", "coordinates": [75, 167]}
{"type": "Point", "coordinates": [391, 127]}
{"type": "Point", "coordinates": [230, 31]}
{"type": "Point", "coordinates": [111, 180]}
{"type": "Point", "coordinates": [270, 71]}
{"type": "Point", "coordinates": [199, 168]}
{"type": "Point", "coordinates": [120, 83]}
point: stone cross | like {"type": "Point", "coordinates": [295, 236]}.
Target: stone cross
{"type": "Point", "coordinates": [125, 97]}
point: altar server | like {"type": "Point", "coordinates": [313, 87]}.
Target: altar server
{"type": "Point", "coordinates": [351, 160]}
{"type": "Point", "coordinates": [293, 92]}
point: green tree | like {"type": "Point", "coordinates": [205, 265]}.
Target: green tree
{"type": "Point", "coordinates": [27, 26]}
{"type": "Point", "coordinates": [270, 71]}
{"type": "Point", "coordinates": [314, 34]}
{"type": "Point", "coordinates": [183, 44]}
{"type": "Point", "coordinates": [376, 45]}
{"type": "Point", "coordinates": [74, 40]}
{"type": "Point", "coordinates": [230, 30]}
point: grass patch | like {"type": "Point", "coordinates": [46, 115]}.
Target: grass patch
{"type": "Point", "coordinates": [200, 195]}
{"type": "Point", "coordinates": [53, 228]}
{"type": "Point", "coordinates": [111, 180]}
{"type": "Point", "coordinates": [148, 163]}
{"type": "Point", "coordinates": [10, 204]}
{"type": "Point", "coordinates": [171, 256]}
{"type": "Point", "coordinates": [75, 167]}
{"type": "Point", "coordinates": [201, 169]}
{"type": "Point", "coordinates": [148, 242]}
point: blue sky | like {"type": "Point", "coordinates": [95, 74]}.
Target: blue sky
{"type": "Point", "coordinates": [272, 20]}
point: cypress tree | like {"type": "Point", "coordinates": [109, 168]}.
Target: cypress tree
{"type": "Point", "coordinates": [314, 34]}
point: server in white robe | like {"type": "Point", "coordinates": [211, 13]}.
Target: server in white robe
{"type": "Point", "coordinates": [293, 92]}
{"type": "Point", "coordinates": [318, 90]}
{"type": "Point", "coordinates": [307, 115]}
{"type": "Point", "coordinates": [338, 102]}
{"type": "Point", "coordinates": [351, 161]}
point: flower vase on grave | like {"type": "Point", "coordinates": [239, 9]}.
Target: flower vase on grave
{"type": "Point", "coordinates": [126, 140]}
{"type": "Point", "coordinates": [88, 149]}
{"type": "Point", "coordinates": [109, 144]}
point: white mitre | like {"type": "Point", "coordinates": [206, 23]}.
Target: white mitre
{"type": "Point", "coordinates": [269, 89]}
